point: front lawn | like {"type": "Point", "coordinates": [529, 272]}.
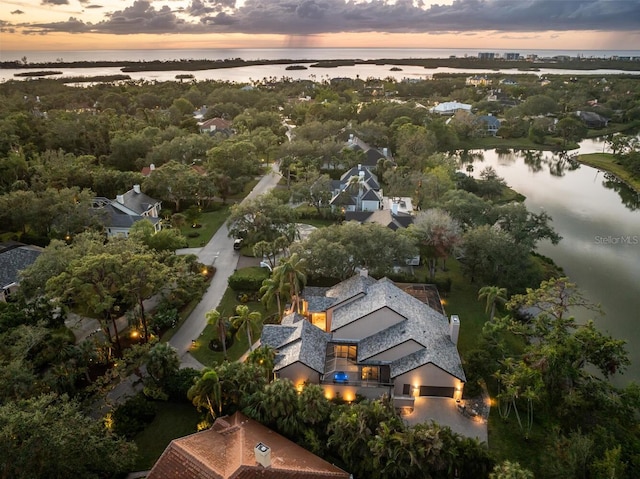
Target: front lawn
{"type": "Point", "coordinates": [210, 221]}
{"type": "Point", "coordinates": [173, 420]}
{"type": "Point", "coordinates": [227, 307]}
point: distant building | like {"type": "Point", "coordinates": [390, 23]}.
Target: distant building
{"type": "Point", "coordinates": [450, 107]}
{"type": "Point", "coordinates": [486, 55]}
{"type": "Point", "coordinates": [478, 80]}
{"type": "Point", "coordinates": [592, 119]}
{"type": "Point", "coordinates": [512, 56]}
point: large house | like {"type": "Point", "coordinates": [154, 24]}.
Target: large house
{"type": "Point", "coordinates": [370, 337]}
{"type": "Point", "coordinates": [127, 209]}
{"type": "Point", "coordinates": [357, 190]}
{"type": "Point", "coordinates": [450, 108]}
{"type": "Point", "coordinates": [239, 447]}
{"type": "Point", "coordinates": [14, 257]}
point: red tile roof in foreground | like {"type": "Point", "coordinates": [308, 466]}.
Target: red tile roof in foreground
{"type": "Point", "coordinates": [226, 451]}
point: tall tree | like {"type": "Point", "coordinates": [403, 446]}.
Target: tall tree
{"type": "Point", "coordinates": [207, 393]}
{"type": "Point", "coordinates": [247, 320]}
{"type": "Point", "coordinates": [493, 295]}
{"type": "Point", "coordinates": [437, 234]}
{"type": "Point", "coordinates": [49, 436]}
{"type": "Point", "coordinates": [291, 271]}
{"type": "Point", "coordinates": [217, 322]}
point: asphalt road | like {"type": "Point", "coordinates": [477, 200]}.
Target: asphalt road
{"type": "Point", "coordinates": [218, 252]}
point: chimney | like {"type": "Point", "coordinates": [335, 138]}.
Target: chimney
{"type": "Point", "coordinates": [152, 167]}
{"type": "Point", "coordinates": [359, 166]}
{"type": "Point", "coordinates": [385, 152]}
{"type": "Point", "coordinates": [136, 189]}
{"type": "Point", "coordinates": [263, 454]}
{"type": "Point", "coordinates": [454, 328]}
{"type": "Point", "coordinates": [364, 272]}
{"type": "Point", "coordinates": [394, 208]}
{"type": "Point", "coordinates": [120, 199]}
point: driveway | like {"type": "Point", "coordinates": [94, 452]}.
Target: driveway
{"type": "Point", "coordinates": [218, 252]}
{"type": "Point", "coordinates": [445, 412]}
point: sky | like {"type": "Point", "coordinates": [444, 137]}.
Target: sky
{"type": "Point", "coordinates": [194, 24]}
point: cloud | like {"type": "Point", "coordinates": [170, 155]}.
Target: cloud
{"type": "Point", "coordinates": [309, 17]}
{"type": "Point", "coordinates": [17, 12]}
{"type": "Point", "coordinates": [55, 2]}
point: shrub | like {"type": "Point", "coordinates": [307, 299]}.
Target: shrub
{"type": "Point", "coordinates": [131, 417]}
{"type": "Point", "coordinates": [177, 385]}
{"type": "Point", "coordinates": [248, 279]}
{"type": "Point", "coordinates": [164, 318]}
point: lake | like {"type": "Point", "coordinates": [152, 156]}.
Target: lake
{"type": "Point", "coordinates": [600, 227]}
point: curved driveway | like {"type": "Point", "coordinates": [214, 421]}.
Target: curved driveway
{"type": "Point", "coordinates": [218, 252]}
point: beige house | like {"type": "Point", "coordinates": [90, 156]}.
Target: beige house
{"type": "Point", "coordinates": [370, 337]}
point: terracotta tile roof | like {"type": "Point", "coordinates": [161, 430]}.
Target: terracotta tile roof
{"type": "Point", "coordinates": [226, 451]}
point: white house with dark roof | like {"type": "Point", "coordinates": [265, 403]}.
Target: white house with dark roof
{"type": "Point", "coordinates": [357, 190]}
{"type": "Point", "coordinates": [369, 337]}
{"type": "Point", "coordinates": [127, 209]}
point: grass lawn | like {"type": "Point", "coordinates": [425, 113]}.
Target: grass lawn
{"type": "Point", "coordinates": [463, 301]}
{"type": "Point", "coordinates": [173, 420]}
{"type": "Point", "coordinates": [210, 221]}
{"type": "Point", "coordinates": [606, 162]}
{"type": "Point", "coordinates": [240, 345]}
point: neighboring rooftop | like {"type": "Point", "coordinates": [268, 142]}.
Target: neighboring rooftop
{"type": "Point", "coordinates": [14, 257]}
{"type": "Point", "coordinates": [230, 450]}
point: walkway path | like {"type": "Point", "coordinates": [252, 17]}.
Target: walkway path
{"type": "Point", "coordinates": [218, 252]}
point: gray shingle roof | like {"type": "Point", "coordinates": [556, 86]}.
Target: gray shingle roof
{"type": "Point", "coordinates": [296, 340]}
{"type": "Point", "coordinates": [138, 202]}
{"type": "Point", "coordinates": [119, 219]}
{"type": "Point", "coordinates": [14, 259]}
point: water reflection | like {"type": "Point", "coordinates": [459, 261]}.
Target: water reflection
{"type": "Point", "coordinates": [628, 196]}
{"type": "Point", "coordinates": [561, 162]}
{"type": "Point", "coordinates": [533, 159]}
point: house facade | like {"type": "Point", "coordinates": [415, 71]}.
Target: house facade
{"type": "Point", "coordinates": [369, 337]}
{"type": "Point", "coordinates": [127, 209]}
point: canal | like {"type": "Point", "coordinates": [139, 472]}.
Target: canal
{"type": "Point", "coordinates": [599, 220]}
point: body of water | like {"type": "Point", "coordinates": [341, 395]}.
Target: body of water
{"type": "Point", "coordinates": [259, 72]}
{"type": "Point", "coordinates": [289, 53]}
{"type": "Point", "coordinates": [600, 249]}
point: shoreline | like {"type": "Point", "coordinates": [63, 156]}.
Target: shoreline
{"type": "Point", "coordinates": [603, 162]}
{"type": "Point", "coordinates": [630, 66]}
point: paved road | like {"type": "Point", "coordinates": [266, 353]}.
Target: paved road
{"type": "Point", "coordinates": [220, 253]}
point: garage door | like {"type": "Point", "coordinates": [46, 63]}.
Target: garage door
{"type": "Point", "coordinates": [436, 391]}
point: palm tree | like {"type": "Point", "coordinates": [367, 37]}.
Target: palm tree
{"type": "Point", "coordinates": [206, 392]}
{"type": "Point", "coordinates": [263, 357]}
{"type": "Point", "coordinates": [246, 319]}
{"type": "Point", "coordinates": [162, 361]}
{"type": "Point", "coordinates": [218, 322]}
{"type": "Point", "coordinates": [292, 272]}
{"type": "Point", "coordinates": [493, 294]}
{"type": "Point", "coordinates": [271, 289]}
